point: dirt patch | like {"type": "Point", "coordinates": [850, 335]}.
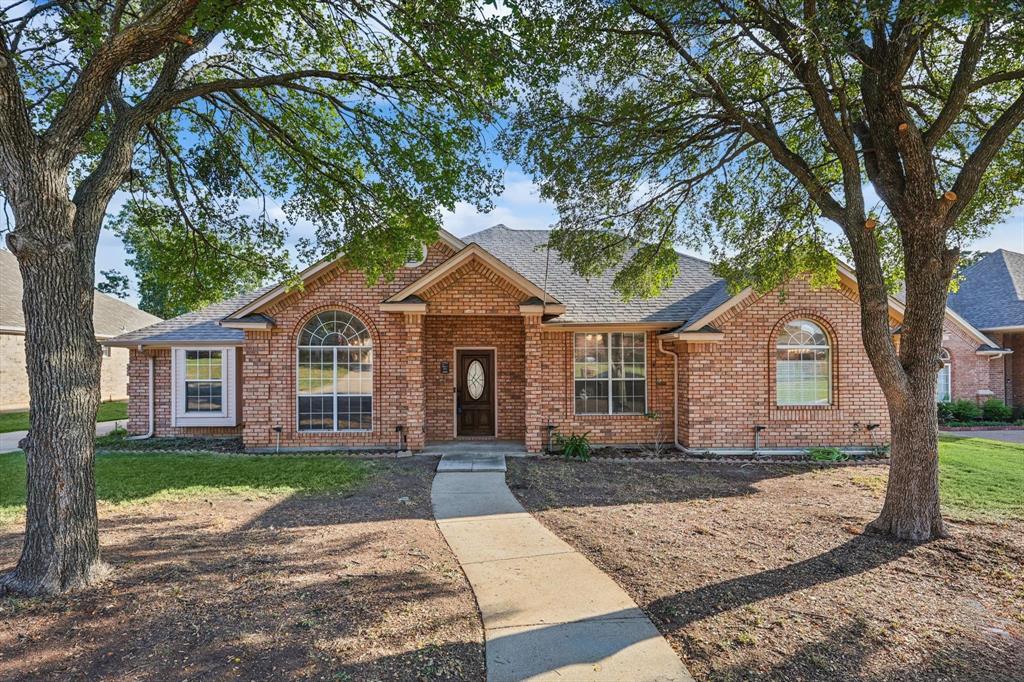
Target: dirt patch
{"type": "Point", "coordinates": [341, 587]}
{"type": "Point", "coordinates": [761, 572]}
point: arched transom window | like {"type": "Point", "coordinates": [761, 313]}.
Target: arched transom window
{"type": "Point", "coordinates": [803, 365]}
{"type": "Point", "coordinates": [943, 387]}
{"type": "Point", "coordinates": [335, 377]}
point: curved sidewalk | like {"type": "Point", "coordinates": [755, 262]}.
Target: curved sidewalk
{"type": "Point", "coordinates": [548, 612]}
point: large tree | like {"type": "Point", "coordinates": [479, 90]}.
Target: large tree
{"type": "Point", "coordinates": [361, 117]}
{"type": "Point", "coordinates": [181, 265]}
{"type": "Point", "coordinates": [751, 125]}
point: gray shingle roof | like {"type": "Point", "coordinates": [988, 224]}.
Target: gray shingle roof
{"type": "Point", "coordinates": [594, 300]}
{"type": "Point", "coordinates": [199, 326]}
{"type": "Point", "coordinates": [991, 294]}
{"type": "Point", "coordinates": [695, 291]}
{"type": "Point", "coordinates": [110, 316]}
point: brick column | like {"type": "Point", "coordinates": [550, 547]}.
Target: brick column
{"type": "Point", "coordinates": [536, 432]}
{"type": "Point", "coordinates": [415, 410]}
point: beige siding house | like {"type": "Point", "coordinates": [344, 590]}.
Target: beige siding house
{"type": "Point", "coordinates": [111, 317]}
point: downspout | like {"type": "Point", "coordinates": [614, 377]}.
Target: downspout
{"type": "Point", "coordinates": [675, 392]}
{"type": "Point", "coordinates": [152, 424]}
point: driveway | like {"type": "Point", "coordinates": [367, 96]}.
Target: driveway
{"type": "Point", "coordinates": [1014, 436]}
{"type": "Point", "coordinates": [9, 440]}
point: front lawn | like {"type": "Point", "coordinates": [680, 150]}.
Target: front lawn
{"type": "Point", "coordinates": [108, 411]}
{"type": "Point", "coordinates": [254, 568]}
{"type": "Point", "coordinates": [978, 475]}
{"type": "Point", "coordinates": [763, 571]}
{"type": "Point", "coordinates": [135, 477]}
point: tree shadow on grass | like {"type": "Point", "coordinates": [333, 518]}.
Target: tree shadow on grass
{"type": "Point", "coordinates": [551, 484]}
{"type": "Point", "coordinates": [858, 555]}
{"type": "Point", "coordinates": [307, 586]}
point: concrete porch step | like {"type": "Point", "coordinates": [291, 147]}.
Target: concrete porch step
{"type": "Point", "coordinates": [451, 462]}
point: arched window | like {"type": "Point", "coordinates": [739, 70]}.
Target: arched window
{"type": "Point", "coordinates": [803, 365]}
{"type": "Point", "coordinates": [335, 377]}
{"type": "Point", "coordinates": [943, 384]}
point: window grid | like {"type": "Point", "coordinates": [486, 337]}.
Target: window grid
{"type": "Point", "coordinates": [335, 374]}
{"type": "Point", "coordinates": [803, 365]}
{"type": "Point", "coordinates": [943, 380]}
{"type": "Point", "coordinates": [610, 373]}
{"type": "Point", "coordinates": [203, 381]}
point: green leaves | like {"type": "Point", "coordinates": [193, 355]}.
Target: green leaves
{"type": "Point", "coordinates": [740, 127]}
{"type": "Point", "coordinates": [364, 119]}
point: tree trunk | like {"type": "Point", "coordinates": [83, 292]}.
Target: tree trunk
{"type": "Point", "coordinates": [911, 510]}
{"type": "Point", "coordinates": [61, 546]}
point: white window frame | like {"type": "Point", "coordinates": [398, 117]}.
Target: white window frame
{"type": "Point", "coordinates": [947, 364]}
{"type": "Point", "coordinates": [228, 414]}
{"type": "Point", "coordinates": [609, 379]}
{"type": "Point", "coordinates": [334, 395]}
{"type": "Point", "coordinates": [828, 363]}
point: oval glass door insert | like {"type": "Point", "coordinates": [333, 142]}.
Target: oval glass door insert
{"type": "Point", "coordinates": [475, 379]}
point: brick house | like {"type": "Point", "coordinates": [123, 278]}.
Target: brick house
{"type": "Point", "coordinates": [491, 337]}
{"type": "Point", "coordinates": [991, 298]}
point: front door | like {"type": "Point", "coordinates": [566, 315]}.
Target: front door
{"type": "Point", "coordinates": [474, 393]}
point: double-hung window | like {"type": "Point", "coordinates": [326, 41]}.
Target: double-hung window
{"type": "Point", "coordinates": [204, 387]}
{"type": "Point", "coordinates": [610, 373]}
{"type": "Point", "coordinates": [204, 381]}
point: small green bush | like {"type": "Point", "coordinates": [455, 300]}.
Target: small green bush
{"type": "Point", "coordinates": [827, 455]}
{"type": "Point", "coordinates": [574, 446]}
{"type": "Point", "coordinates": [996, 410]}
{"type": "Point", "coordinates": [964, 411]}
{"type": "Point", "coordinates": [945, 412]}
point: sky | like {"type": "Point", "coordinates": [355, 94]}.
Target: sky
{"type": "Point", "coordinates": [519, 207]}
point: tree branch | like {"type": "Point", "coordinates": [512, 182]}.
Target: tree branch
{"type": "Point", "coordinates": [961, 86]}
{"type": "Point", "coordinates": [977, 163]}
{"type": "Point", "coordinates": [136, 43]}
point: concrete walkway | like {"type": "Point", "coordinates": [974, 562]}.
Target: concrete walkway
{"type": "Point", "coordinates": [9, 440]}
{"type": "Point", "coordinates": [548, 613]}
{"type": "Point", "coordinates": [1004, 435]}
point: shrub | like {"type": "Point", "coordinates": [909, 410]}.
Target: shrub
{"type": "Point", "coordinates": [964, 411]}
{"type": "Point", "coordinates": [996, 410]}
{"type": "Point", "coordinates": [945, 412]}
{"type": "Point", "coordinates": [827, 455]}
{"type": "Point", "coordinates": [574, 446]}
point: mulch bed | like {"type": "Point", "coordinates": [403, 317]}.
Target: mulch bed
{"type": "Point", "coordinates": [336, 587]}
{"type": "Point", "coordinates": [756, 572]}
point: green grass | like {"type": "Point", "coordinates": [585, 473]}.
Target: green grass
{"type": "Point", "coordinates": [982, 476]}
{"type": "Point", "coordinates": [109, 411]}
{"type": "Point", "coordinates": [131, 477]}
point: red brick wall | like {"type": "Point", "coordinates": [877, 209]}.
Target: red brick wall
{"type": "Point", "coordinates": [138, 398]}
{"type": "Point", "coordinates": [270, 359]}
{"type": "Point", "coordinates": [504, 333]}
{"type": "Point", "coordinates": [971, 372]}
{"type": "Point", "coordinates": [550, 386]}
{"type": "Point", "coordinates": [1011, 368]}
{"type": "Point", "coordinates": [730, 385]}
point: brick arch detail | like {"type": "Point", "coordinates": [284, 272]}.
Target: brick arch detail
{"type": "Point", "coordinates": [833, 342]}
{"type": "Point", "coordinates": [293, 337]}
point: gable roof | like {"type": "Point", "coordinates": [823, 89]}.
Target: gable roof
{"type": "Point", "coordinates": [472, 251]}
{"type": "Point", "coordinates": [721, 301]}
{"type": "Point", "coordinates": [991, 295]}
{"type": "Point", "coordinates": [273, 293]}
{"type": "Point", "coordinates": [594, 300]}
{"type": "Point", "coordinates": [110, 316]}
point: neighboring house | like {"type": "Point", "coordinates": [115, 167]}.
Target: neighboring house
{"type": "Point", "coordinates": [491, 337]}
{"type": "Point", "coordinates": [111, 317]}
{"type": "Point", "coordinates": [991, 298]}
